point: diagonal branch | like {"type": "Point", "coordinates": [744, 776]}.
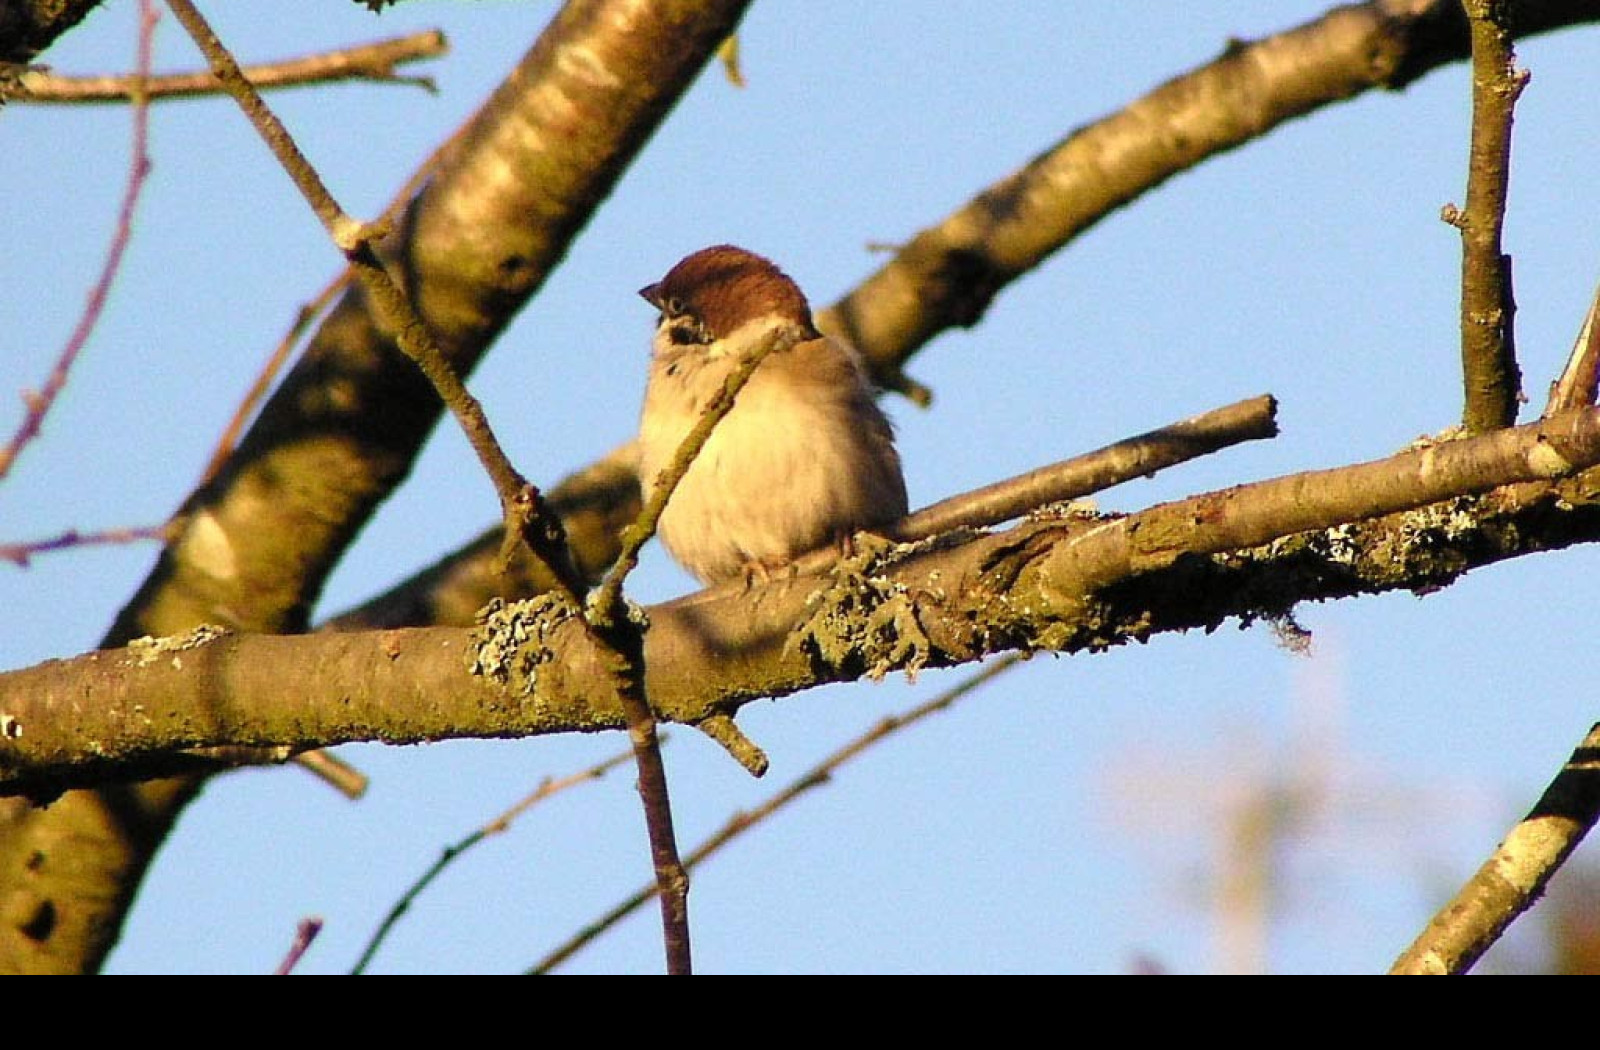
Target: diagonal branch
{"type": "Point", "coordinates": [1579, 381]}
{"type": "Point", "coordinates": [947, 274]}
{"type": "Point", "coordinates": [1513, 878]}
{"type": "Point", "coordinates": [38, 403]}
{"type": "Point", "coordinates": [739, 823]}
{"type": "Point", "coordinates": [453, 852]}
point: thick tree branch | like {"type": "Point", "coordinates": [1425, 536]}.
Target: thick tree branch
{"type": "Point", "coordinates": [1513, 878]}
{"type": "Point", "coordinates": [1068, 584]}
{"type": "Point", "coordinates": [947, 274]}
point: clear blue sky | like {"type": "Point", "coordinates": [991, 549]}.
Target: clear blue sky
{"type": "Point", "coordinates": [1065, 819]}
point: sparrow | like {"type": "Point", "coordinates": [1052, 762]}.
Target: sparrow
{"type": "Point", "coordinates": [804, 458]}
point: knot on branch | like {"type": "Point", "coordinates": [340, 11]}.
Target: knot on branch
{"type": "Point", "coordinates": [963, 285]}
{"type": "Point", "coordinates": [512, 639]}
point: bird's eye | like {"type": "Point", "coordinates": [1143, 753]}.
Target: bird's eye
{"type": "Point", "coordinates": [673, 306]}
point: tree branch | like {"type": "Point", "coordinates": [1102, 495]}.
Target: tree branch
{"type": "Point", "coordinates": [947, 275]}
{"type": "Point", "coordinates": [1580, 378]}
{"type": "Point", "coordinates": [1513, 878]}
{"type": "Point", "coordinates": [375, 62]}
{"type": "Point", "coordinates": [1488, 309]}
{"type": "Point", "coordinates": [1064, 584]}
{"type": "Point", "coordinates": [739, 823]}
{"type": "Point", "coordinates": [138, 170]}
{"type": "Point", "coordinates": [452, 853]}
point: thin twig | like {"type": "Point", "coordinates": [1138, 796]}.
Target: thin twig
{"type": "Point", "coordinates": [521, 503]}
{"type": "Point", "coordinates": [817, 776]}
{"type": "Point", "coordinates": [19, 554]}
{"type": "Point", "coordinates": [1140, 456]}
{"type": "Point", "coordinates": [1511, 880]}
{"type": "Point", "coordinates": [269, 374]}
{"type": "Point", "coordinates": [334, 771]}
{"type": "Point", "coordinates": [499, 824]}
{"type": "Point", "coordinates": [304, 934]}
{"type": "Point", "coordinates": [1580, 379]}
{"type": "Point", "coordinates": [310, 311]}
{"type": "Point", "coordinates": [38, 403]}
{"type": "Point", "coordinates": [607, 614]}
{"type": "Point", "coordinates": [1488, 307]}
{"type": "Point", "coordinates": [606, 597]}
{"type": "Point", "coordinates": [1082, 475]}
{"type": "Point", "coordinates": [375, 62]}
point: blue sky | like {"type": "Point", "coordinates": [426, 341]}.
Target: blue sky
{"type": "Point", "coordinates": [1064, 819]}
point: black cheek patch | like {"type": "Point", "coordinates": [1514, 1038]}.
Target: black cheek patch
{"type": "Point", "coordinates": [684, 332]}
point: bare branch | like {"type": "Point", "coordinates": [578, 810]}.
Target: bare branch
{"type": "Point", "coordinates": [451, 853]}
{"type": "Point", "coordinates": [739, 823]}
{"type": "Point", "coordinates": [269, 374]}
{"type": "Point", "coordinates": [1580, 379]}
{"type": "Point", "coordinates": [1134, 457]}
{"type": "Point", "coordinates": [1488, 308]}
{"type": "Point", "coordinates": [304, 934]}
{"type": "Point", "coordinates": [947, 275]}
{"type": "Point", "coordinates": [20, 554]}
{"type": "Point", "coordinates": [376, 62]}
{"type": "Point", "coordinates": [1513, 878]}
{"type": "Point", "coordinates": [1065, 584]}
{"type": "Point", "coordinates": [38, 403]}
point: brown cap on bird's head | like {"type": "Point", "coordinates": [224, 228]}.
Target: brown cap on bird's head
{"type": "Point", "coordinates": [723, 286]}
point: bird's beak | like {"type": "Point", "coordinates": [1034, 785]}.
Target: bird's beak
{"type": "Point", "coordinates": [652, 294]}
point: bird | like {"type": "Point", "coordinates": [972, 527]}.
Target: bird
{"type": "Point", "coordinates": [804, 458]}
